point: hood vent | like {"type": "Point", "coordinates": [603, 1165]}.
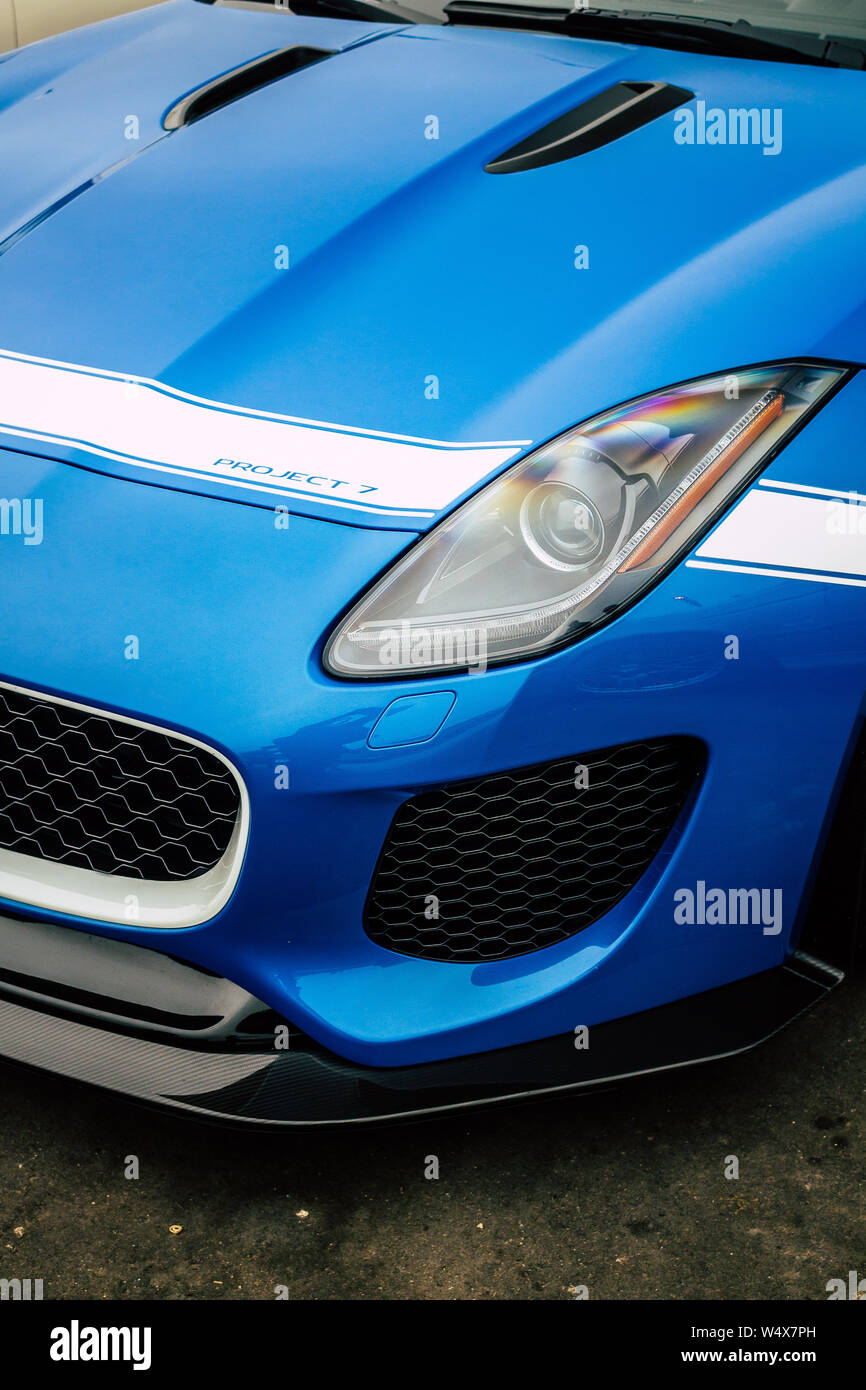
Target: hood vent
{"type": "Point", "coordinates": [603, 118]}
{"type": "Point", "coordinates": [240, 82]}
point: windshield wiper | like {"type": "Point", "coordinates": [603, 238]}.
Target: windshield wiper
{"type": "Point", "coordinates": [736, 39]}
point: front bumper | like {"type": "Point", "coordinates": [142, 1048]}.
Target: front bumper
{"type": "Point", "coordinates": [230, 614]}
{"type": "Point", "coordinates": [307, 1085]}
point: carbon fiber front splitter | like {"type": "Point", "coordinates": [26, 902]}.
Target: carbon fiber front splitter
{"type": "Point", "coordinates": [307, 1085]}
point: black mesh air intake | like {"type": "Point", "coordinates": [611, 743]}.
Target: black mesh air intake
{"type": "Point", "coordinates": [506, 864]}
{"type": "Point", "coordinates": [80, 787]}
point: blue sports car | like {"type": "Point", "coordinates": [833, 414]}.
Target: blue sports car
{"type": "Point", "coordinates": [432, 545]}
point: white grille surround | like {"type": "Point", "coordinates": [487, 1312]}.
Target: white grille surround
{"type": "Point", "coordinates": [121, 898]}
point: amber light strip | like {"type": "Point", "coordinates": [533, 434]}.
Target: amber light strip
{"type": "Point", "coordinates": [742, 438]}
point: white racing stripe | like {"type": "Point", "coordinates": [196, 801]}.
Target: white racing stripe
{"type": "Point", "coordinates": [792, 536]}
{"type": "Point", "coordinates": [148, 425]}
{"type": "Point", "coordinates": [842, 579]}
{"type": "Point", "coordinates": [812, 490]}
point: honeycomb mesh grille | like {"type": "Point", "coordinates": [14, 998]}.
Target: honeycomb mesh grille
{"type": "Point", "coordinates": [78, 787]}
{"type": "Point", "coordinates": [506, 864]}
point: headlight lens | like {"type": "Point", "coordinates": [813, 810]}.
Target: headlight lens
{"type": "Point", "coordinates": [565, 539]}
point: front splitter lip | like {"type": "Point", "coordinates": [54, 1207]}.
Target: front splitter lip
{"type": "Point", "coordinates": [314, 1087]}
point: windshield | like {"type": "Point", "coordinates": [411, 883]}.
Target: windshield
{"type": "Point", "coordinates": [835, 17]}
{"type": "Point", "coordinates": [824, 18]}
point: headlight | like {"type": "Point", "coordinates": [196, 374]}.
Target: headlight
{"type": "Point", "coordinates": [565, 539]}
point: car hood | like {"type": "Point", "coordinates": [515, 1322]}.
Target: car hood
{"type": "Point", "coordinates": [316, 296]}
